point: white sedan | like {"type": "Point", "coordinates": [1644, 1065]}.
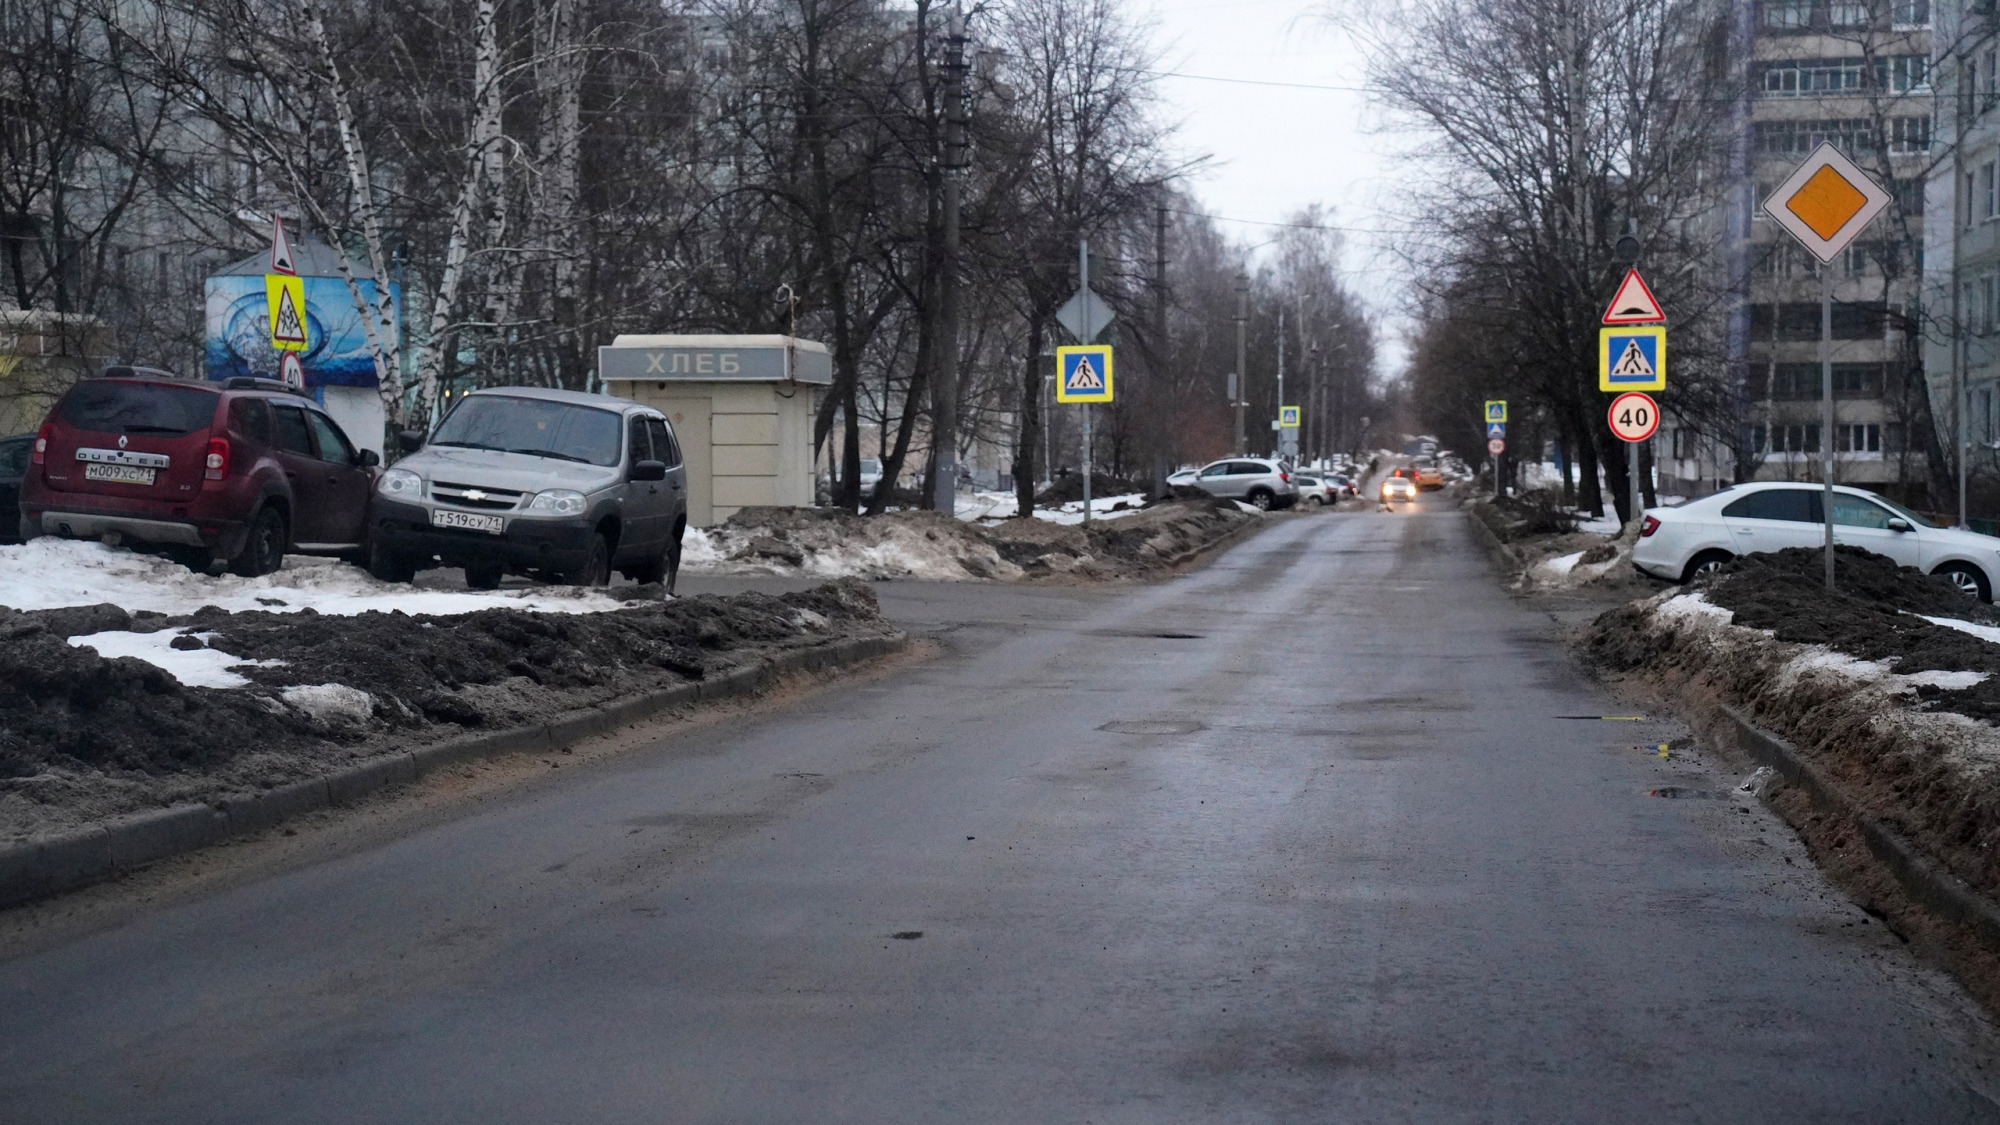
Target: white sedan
{"type": "Point", "coordinates": [1700, 535]}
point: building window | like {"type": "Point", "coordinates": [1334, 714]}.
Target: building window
{"type": "Point", "coordinates": [1795, 439]}
{"type": "Point", "coordinates": [1909, 135]}
{"type": "Point", "coordinates": [1909, 15]}
{"type": "Point", "coordinates": [1786, 14]}
{"type": "Point", "coordinates": [1858, 320]}
{"type": "Point", "coordinates": [1857, 380]}
{"type": "Point", "coordinates": [1861, 437]}
{"type": "Point", "coordinates": [1848, 13]}
{"type": "Point", "coordinates": [1684, 444]}
{"type": "Point", "coordinates": [1798, 322]}
{"type": "Point", "coordinates": [1795, 382]}
{"type": "Point", "coordinates": [1904, 73]}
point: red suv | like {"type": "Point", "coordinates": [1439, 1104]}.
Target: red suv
{"type": "Point", "coordinates": [240, 471]}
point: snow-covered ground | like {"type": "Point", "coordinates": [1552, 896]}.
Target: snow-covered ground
{"type": "Point", "coordinates": [195, 667]}
{"type": "Point", "coordinates": [50, 573]}
{"type": "Point", "coordinates": [981, 505]}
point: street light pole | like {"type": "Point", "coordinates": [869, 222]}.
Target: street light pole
{"type": "Point", "coordinates": [1242, 380]}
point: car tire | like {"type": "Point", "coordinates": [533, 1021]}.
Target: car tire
{"type": "Point", "coordinates": [651, 570]}
{"type": "Point", "coordinates": [263, 545]}
{"type": "Point", "coordinates": [1707, 562]}
{"type": "Point", "coordinates": [1262, 499]}
{"type": "Point", "coordinates": [596, 568]}
{"type": "Point", "coordinates": [674, 560]}
{"type": "Point", "coordinates": [1315, 502]}
{"type": "Point", "coordinates": [485, 576]}
{"type": "Point", "coordinates": [390, 566]}
{"type": "Point", "coordinates": [1968, 578]}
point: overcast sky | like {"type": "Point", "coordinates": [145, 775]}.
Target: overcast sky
{"type": "Point", "coordinates": [1278, 148]}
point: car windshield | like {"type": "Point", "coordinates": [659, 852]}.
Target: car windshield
{"type": "Point", "coordinates": [113, 407]}
{"type": "Point", "coordinates": [562, 430]}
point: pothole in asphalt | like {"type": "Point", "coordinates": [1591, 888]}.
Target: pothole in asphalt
{"type": "Point", "coordinates": [1680, 793]}
{"type": "Point", "coordinates": [907, 935]}
{"type": "Point", "coordinates": [1152, 726]}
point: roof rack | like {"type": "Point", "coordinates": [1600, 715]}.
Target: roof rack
{"type": "Point", "coordinates": [254, 383]}
{"type": "Point", "coordinates": [130, 371]}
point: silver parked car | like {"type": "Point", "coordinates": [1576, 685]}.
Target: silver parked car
{"type": "Point", "coordinates": [1256, 481]}
{"type": "Point", "coordinates": [519, 479]}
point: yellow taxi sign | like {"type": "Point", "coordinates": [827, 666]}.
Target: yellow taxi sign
{"type": "Point", "coordinates": [286, 296]}
{"type": "Point", "coordinates": [1826, 202]}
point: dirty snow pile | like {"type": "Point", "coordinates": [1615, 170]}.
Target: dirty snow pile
{"type": "Point", "coordinates": [1004, 505]}
{"type": "Point", "coordinates": [50, 573]}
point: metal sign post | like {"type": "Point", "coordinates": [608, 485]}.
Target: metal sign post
{"type": "Point", "coordinates": [1825, 203]}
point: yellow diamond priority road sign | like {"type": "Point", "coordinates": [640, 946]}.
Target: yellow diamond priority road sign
{"type": "Point", "coordinates": [1826, 202]}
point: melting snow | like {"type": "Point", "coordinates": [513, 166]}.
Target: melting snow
{"type": "Point", "coordinates": [1983, 632]}
{"type": "Point", "coordinates": [195, 667]}
{"type": "Point", "coordinates": [1561, 566]}
{"type": "Point", "coordinates": [49, 573]}
{"type": "Point", "coordinates": [1688, 606]}
{"type": "Point", "coordinates": [334, 703]}
{"type": "Point", "coordinates": [1950, 681]}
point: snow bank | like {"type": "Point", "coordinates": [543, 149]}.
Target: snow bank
{"type": "Point", "coordinates": [1560, 567]}
{"type": "Point", "coordinates": [50, 573]}
{"type": "Point", "coordinates": [332, 703]}
{"type": "Point", "coordinates": [194, 667]}
{"type": "Point", "coordinates": [1983, 632]}
{"type": "Point", "coordinates": [1682, 607]}
{"type": "Point", "coordinates": [982, 505]}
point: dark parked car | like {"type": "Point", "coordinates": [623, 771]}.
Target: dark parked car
{"type": "Point", "coordinates": [14, 453]}
{"type": "Point", "coordinates": [568, 485]}
{"type": "Point", "coordinates": [240, 471]}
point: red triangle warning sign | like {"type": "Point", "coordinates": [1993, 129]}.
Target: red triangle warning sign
{"type": "Point", "coordinates": [1634, 304]}
{"type": "Point", "coordinates": [281, 249]}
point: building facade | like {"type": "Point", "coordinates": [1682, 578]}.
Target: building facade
{"type": "Point", "coordinates": [1855, 73]}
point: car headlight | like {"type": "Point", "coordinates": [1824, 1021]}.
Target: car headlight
{"type": "Point", "coordinates": [400, 483]}
{"type": "Point", "coordinates": [558, 502]}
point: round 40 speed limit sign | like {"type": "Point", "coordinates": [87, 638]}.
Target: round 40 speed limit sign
{"type": "Point", "coordinates": [1634, 416]}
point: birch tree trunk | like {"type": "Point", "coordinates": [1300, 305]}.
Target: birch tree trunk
{"type": "Point", "coordinates": [485, 136]}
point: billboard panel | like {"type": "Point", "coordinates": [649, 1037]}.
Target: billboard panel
{"type": "Point", "coordinates": [336, 352]}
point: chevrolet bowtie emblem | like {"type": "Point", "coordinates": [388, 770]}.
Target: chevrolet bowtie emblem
{"type": "Point", "coordinates": [475, 494]}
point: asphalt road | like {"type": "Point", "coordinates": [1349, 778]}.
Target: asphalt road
{"type": "Point", "coordinates": [1303, 836]}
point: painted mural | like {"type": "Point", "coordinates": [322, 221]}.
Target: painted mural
{"type": "Point", "coordinates": [239, 331]}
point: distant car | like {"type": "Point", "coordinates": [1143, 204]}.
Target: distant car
{"type": "Point", "coordinates": [1397, 487]}
{"type": "Point", "coordinates": [1314, 491]}
{"type": "Point", "coordinates": [566, 484]}
{"type": "Point", "coordinates": [1343, 486]}
{"type": "Point", "coordinates": [241, 471]}
{"type": "Point", "coordinates": [1428, 476]}
{"type": "Point", "coordinates": [14, 454]}
{"type": "Point", "coordinates": [1697, 537]}
{"type": "Point", "coordinates": [1257, 481]}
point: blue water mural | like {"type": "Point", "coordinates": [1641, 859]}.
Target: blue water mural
{"type": "Point", "coordinates": [239, 331]}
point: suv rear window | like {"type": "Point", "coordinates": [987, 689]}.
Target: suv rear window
{"type": "Point", "coordinates": [108, 406]}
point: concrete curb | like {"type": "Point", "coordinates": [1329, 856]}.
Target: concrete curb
{"type": "Point", "coordinates": [61, 863]}
{"type": "Point", "coordinates": [1502, 555]}
{"type": "Point", "coordinates": [1924, 880]}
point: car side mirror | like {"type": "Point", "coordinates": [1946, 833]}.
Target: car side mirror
{"type": "Point", "coordinates": [410, 440]}
{"type": "Point", "coordinates": [368, 458]}
{"type": "Point", "coordinates": [1899, 524]}
{"type": "Point", "coordinates": [649, 470]}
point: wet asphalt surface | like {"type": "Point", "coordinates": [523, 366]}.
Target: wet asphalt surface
{"type": "Point", "coordinates": [1302, 836]}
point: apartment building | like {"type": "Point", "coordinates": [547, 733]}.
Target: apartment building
{"type": "Point", "coordinates": [1856, 73]}
{"type": "Point", "coordinates": [1962, 244]}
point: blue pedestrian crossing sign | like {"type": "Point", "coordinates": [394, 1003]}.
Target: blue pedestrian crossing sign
{"type": "Point", "coordinates": [1632, 358]}
{"type": "Point", "coordinates": [1083, 373]}
{"type": "Point", "coordinates": [1288, 417]}
{"type": "Point", "coordinates": [1496, 430]}
{"type": "Point", "coordinates": [1496, 410]}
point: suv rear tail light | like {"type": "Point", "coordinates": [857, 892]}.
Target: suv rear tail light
{"type": "Point", "coordinates": [1284, 477]}
{"type": "Point", "coordinates": [1648, 526]}
{"type": "Point", "coordinates": [41, 454]}
{"type": "Point", "coordinates": [217, 465]}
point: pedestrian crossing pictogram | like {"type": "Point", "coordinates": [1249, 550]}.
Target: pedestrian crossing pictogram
{"type": "Point", "coordinates": [1632, 365]}
{"type": "Point", "coordinates": [1083, 374]}
{"type": "Point", "coordinates": [1632, 359]}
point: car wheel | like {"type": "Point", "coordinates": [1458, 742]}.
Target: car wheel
{"type": "Point", "coordinates": [674, 561]}
{"type": "Point", "coordinates": [596, 570]}
{"type": "Point", "coordinates": [1315, 502]}
{"type": "Point", "coordinates": [1968, 578]}
{"type": "Point", "coordinates": [1708, 562]}
{"type": "Point", "coordinates": [1262, 499]}
{"type": "Point", "coordinates": [485, 576]}
{"type": "Point", "coordinates": [390, 566]}
{"type": "Point", "coordinates": [264, 547]}
{"type": "Point", "coordinates": [652, 570]}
